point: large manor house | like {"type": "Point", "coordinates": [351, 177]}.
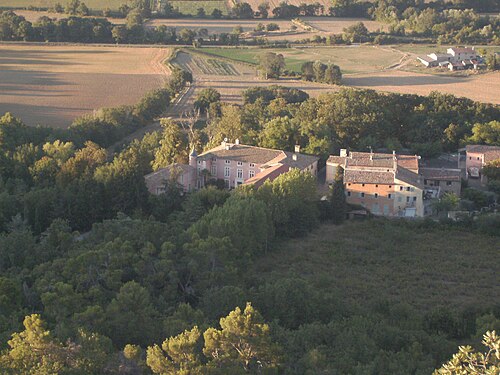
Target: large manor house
{"type": "Point", "coordinates": [387, 184]}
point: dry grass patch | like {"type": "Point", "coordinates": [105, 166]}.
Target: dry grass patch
{"type": "Point", "coordinates": [51, 85]}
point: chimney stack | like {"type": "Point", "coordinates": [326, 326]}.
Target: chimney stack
{"type": "Point", "coordinates": [237, 142]}
{"type": "Point", "coordinates": [297, 149]}
{"type": "Point", "coordinates": [294, 157]}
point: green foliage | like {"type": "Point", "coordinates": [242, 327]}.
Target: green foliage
{"type": "Point", "coordinates": [467, 361]}
{"type": "Point", "coordinates": [243, 341]}
{"type": "Point", "coordinates": [244, 220]}
{"type": "Point", "coordinates": [337, 197]}
{"type": "Point", "coordinates": [448, 202]}
{"type": "Point", "coordinates": [290, 199]}
{"type": "Point", "coordinates": [488, 133]}
{"type": "Point", "coordinates": [205, 98]}
{"type": "Point", "coordinates": [271, 65]}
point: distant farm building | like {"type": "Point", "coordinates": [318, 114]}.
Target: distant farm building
{"type": "Point", "coordinates": [454, 59]}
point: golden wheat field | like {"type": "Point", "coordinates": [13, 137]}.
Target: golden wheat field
{"type": "Point", "coordinates": [51, 85]}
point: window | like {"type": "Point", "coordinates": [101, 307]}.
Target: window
{"type": "Point", "coordinates": [400, 199]}
{"type": "Point", "coordinates": [251, 174]}
{"type": "Point", "coordinates": [376, 185]}
{"type": "Point", "coordinates": [390, 186]}
{"type": "Point", "coordinates": [348, 193]}
{"type": "Point", "coordinates": [426, 182]}
{"type": "Point", "coordinates": [239, 173]}
{"type": "Point", "coordinates": [400, 188]}
{"type": "Point", "coordinates": [478, 158]}
{"type": "Point", "coordinates": [362, 195]}
{"type": "Point", "coordinates": [407, 199]}
{"type": "Point", "coordinates": [414, 199]}
{"type": "Point", "coordinates": [240, 163]}
{"type": "Point", "coordinates": [470, 157]}
{"type": "Point", "coordinates": [412, 189]}
{"type": "Point", "coordinates": [362, 184]}
{"type": "Point", "coordinates": [436, 183]}
{"type": "Point", "coordinates": [213, 170]}
{"type": "Point", "coordinates": [376, 195]}
{"type": "Point", "coordinates": [227, 161]}
{"type": "Point", "coordinates": [448, 183]}
{"type": "Point", "coordinates": [199, 169]}
{"type": "Point", "coordinates": [214, 159]}
{"type": "Point", "coordinates": [407, 188]}
{"type": "Point", "coordinates": [389, 196]}
{"type": "Point", "coordinates": [199, 161]}
{"type": "Point", "coordinates": [227, 171]}
{"type": "Point", "coordinates": [252, 165]}
{"type": "Point", "coordinates": [226, 184]}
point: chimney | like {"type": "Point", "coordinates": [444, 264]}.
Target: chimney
{"type": "Point", "coordinates": [297, 149]}
{"type": "Point", "coordinates": [223, 143]}
{"type": "Point", "coordinates": [294, 157]}
{"type": "Point", "coordinates": [343, 152]}
{"type": "Point", "coordinates": [237, 142]}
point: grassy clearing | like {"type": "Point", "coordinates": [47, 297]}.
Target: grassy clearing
{"type": "Point", "coordinates": [356, 59]}
{"type": "Point", "coordinates": [423, 267]}
{"type": "Point", "coordinates": [191, 6]}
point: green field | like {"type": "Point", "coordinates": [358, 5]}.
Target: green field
{"type": "Point", "coordinates": [92, 4]}
{"type": "Point", "coordinates": [425, 268]}
{"type": "Point", "coordinates": [191, 6]}
{"type": "Point", "coordinates": [357, 59]}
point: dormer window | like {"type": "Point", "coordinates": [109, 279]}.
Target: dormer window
{"type": "Point", "coordinates": [227, 161]}
{"type": "Point", "coordinates": [252, 165]}
{"type": "Point", "coordinates": [240, 163]}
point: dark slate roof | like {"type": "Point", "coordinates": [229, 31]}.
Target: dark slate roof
{"type": "Point", "coordinates": [441, 174]}
{"type": "Point", "coordinates": [409, 177]}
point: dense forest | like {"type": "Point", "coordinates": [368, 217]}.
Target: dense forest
{"type": "Point", "coordinates": [103, 278]}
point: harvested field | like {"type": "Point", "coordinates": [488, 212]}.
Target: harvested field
{"type": "Point", "coordinates": [481, 87]}
{"type": "Point", "coordinates": [33, 16]}
{"type": "Point", "coordinates": [275, 3]}
{"type": "Point", "coordinates": [92, 4]}
{"type": "Point", "coordinates": [336, 25]}
{"type": "Point", "coordinates": [217, 26]}
{"type": "Point", "coordinates": [51, 85]}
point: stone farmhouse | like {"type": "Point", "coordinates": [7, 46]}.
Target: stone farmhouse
{"type": "Point", "coordinates": [472, 159]}
{"type": "Point", "coordinates": [233, 163]}
{"type": "Point", "coordinates": [455, 58]}
{"type": "Point", "coordinates": [391, 184]}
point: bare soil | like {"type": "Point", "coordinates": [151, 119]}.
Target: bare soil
{"type": "Point", "coordinates": [51, 85]}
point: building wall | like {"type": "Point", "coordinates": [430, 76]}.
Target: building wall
{"type": "Point", "coordinates": [377, 198]}
{"type": "Point", "coordinates": [239, 172]}
{"type": "Point", "coordinates": [156, 182]}
{"type": "Point", "coordinates": [444, 186]}
{"type": "Point", "coordinates": [331, 170]}
{"type": "Point", "coordinates": [473, 159]}
{"type": "Point", "coordinates": [408, 196]}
